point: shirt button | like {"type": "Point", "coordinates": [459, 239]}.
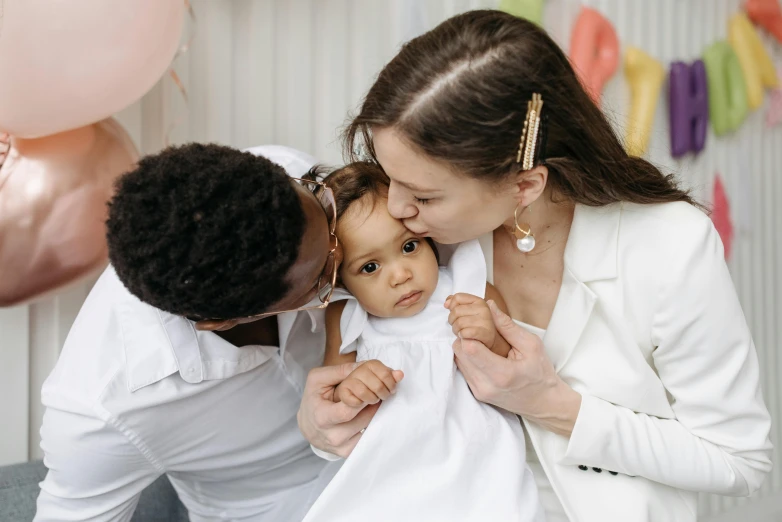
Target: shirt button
{"type": "Point", "coordinates": [191, 370]}
{"type": "Point", "coordinates": [582, 467]}
{"type": "Point", "coordinates": [597, 470]}
{"type": "Point", "coordinates": [613, 473]}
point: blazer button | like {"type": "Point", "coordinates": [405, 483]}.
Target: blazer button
{"type": "Point", "coordinates": [613, 473]}
{"type": "Point", "coordinates": [582, 467]}
{"type": "Point", "coordinates": [597, 470]}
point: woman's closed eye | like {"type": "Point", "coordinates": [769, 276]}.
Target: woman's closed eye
{"type": "Point", "coordinates": [422, 201]}
{"type": "Point", "coordinates": [370, 268]}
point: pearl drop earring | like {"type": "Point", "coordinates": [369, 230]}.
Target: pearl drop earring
{"type": "Point", "coordinates": [525, 240]}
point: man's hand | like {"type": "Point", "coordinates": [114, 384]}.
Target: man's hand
{"type": "Point", "coordinates": [331, 426]}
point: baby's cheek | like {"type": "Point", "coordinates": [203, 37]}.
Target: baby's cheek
{"type": "Point", "coordinates": [373, 300]}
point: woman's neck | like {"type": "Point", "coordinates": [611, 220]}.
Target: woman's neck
{"type": "Point", "coordinates": [549, 221]}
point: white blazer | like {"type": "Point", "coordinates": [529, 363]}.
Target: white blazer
{"type": "Point", "coordinates": [649, 329]}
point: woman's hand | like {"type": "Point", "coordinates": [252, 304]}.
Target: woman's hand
{"type": "Point", "coordinates": [334, 427]}
{"type": "Point", "coordinates": [525, 383]}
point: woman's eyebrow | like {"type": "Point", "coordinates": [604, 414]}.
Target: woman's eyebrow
{"type": "Point", "coordinates": [415, 188]}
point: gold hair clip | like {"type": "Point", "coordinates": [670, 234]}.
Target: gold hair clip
{"type": "Point", "coordinates": [529, 134]}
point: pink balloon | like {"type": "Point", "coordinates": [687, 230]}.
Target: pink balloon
{"type": "Point", "coordinates": [66, 64]}
{"type": "Point", "coordinates": [594, 51]}
{"type": "Point", "coordinates": [53, 194]}
{"type": "Point", "coordinates": [720, 215]}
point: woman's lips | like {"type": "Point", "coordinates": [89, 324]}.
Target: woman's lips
{"type": "Point", "coordinates": [409, 299]}
{"type": "Point", "coordinates": [414, 229]}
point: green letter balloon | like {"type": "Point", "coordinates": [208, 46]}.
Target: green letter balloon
{"type": "Point", "coordinates": [728, 104]}
{"type": "Point", "coordinates": [532, 10]}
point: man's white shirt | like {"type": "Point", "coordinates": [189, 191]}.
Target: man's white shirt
{"type": "Point", "coordinates": [138, 392]}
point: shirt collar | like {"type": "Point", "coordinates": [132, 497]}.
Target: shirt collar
{"type": "Point", "coordinates": [158, 344]}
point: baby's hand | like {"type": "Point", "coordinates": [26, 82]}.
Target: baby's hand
{"type": "Point", "coordinates": [470, 318]}
{"type": "Point", "coordinates": [371, 382]}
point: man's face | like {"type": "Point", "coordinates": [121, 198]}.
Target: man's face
{"type": "Point", "coordinates": [312, 263]}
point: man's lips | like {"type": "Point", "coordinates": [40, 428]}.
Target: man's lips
{"type": "Point", "coordinates": [410, 298]}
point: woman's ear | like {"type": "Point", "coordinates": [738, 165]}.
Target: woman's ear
{"type": "Point", "coordinates": [530, 184]}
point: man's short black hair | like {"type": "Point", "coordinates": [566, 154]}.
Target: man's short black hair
{"type": "Point", "coordinates": [205, 231]}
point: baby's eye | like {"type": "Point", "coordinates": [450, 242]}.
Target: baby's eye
{"type": "Point", "coordinates": [423, 201]}
{"type": "Point", "coordinates": [410, 247]}
{"type": "Point", "coordinates": [369, 268]}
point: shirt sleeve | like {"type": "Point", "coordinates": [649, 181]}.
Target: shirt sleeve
{"type": "Point", "coordinates": [325, 455]}
{"type": "Point", "coordinates": [705, 358]}
{"type": "Point", "coordinates": [96, 470]}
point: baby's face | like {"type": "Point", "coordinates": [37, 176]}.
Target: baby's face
{"type": "Point", "coordinates": [391, 271]}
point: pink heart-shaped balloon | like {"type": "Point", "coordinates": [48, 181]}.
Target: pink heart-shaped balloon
{"type": "Point", "coordinates": [53, 194]}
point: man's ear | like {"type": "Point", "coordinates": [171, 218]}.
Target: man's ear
{"type": "Point", "coordinates": [209, 325]}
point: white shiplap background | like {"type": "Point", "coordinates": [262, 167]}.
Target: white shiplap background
{"type": "Point", "coordinates": [289, 71]}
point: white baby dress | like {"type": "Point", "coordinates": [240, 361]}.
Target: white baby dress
{"type": "Point", "coordinates": [432, 452]}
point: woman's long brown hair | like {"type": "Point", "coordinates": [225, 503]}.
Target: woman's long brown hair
{"type": "Point", "coordinates": [459, 94]}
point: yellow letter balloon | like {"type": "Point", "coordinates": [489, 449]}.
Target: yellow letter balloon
{"type": "Point", "coordinates": [645, 76]}
{"type": "Point", "coordinates": [755, 62]}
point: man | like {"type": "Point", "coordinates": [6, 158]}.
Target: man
{"type": "Point", "coordinates": [169, 368]}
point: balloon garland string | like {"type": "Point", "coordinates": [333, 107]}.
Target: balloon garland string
{"type": "Point", "coordinates": [5, 148]}
{"type": "Point", "coordinates": [173, 74]}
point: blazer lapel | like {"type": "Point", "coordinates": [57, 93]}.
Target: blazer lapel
{"type": "Point", "coordinates": [571, 313]}
{"type": "Point", "coordinates": [590, 255]}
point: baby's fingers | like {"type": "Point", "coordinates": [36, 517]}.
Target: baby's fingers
{"type": "Point", "coordinates": [460, 299]}
{"type": "Point", "coordinates": [354, 388]}
{"type": "Point", "coordinates": [385, 375]}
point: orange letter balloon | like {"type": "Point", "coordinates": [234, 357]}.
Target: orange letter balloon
{"type": "Point", "coordinates": [594, 51]}
{"type": "Point", "coordinates": [767, 14]}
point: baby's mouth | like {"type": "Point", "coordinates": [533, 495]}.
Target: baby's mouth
{"type": "Point", "coordinates": [410, 298]}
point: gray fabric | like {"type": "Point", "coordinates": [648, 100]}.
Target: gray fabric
{"type": "Point", "coordinates": [19, 491]}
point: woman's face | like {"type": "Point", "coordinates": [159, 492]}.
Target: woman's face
{"type": "Point", "coordinates": [433, 200]}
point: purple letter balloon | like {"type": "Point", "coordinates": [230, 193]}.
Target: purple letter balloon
{"type": "Point", "coordinates": [689, 107]}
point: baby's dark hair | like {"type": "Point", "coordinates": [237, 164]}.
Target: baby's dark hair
{"type": "Point", "coordinates": [205, 231]}
{"type": "Point", "coordinates": [356, 180]}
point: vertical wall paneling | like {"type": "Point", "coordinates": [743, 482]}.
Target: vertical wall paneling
{"type": "Point", "coordinates": [290, 71]}
{"type": "Point", "coordinates": [14, 375]}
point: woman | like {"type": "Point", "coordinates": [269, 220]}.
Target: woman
{"type": "Point", "coordinates": [644, 389]}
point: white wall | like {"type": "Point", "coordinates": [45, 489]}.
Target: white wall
{"type": "Point", "coordinates": [288, 71]}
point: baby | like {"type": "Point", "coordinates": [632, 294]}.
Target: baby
{"type": "Point", "coordinates": [432, 452]}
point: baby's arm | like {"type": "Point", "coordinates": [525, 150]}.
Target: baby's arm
{"type": "Point", "coordinates": [334, 336]}
{"type": "Point", "coordinates": [471, 319]}
{"type": "Point", "coordinates": [371, 382]}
